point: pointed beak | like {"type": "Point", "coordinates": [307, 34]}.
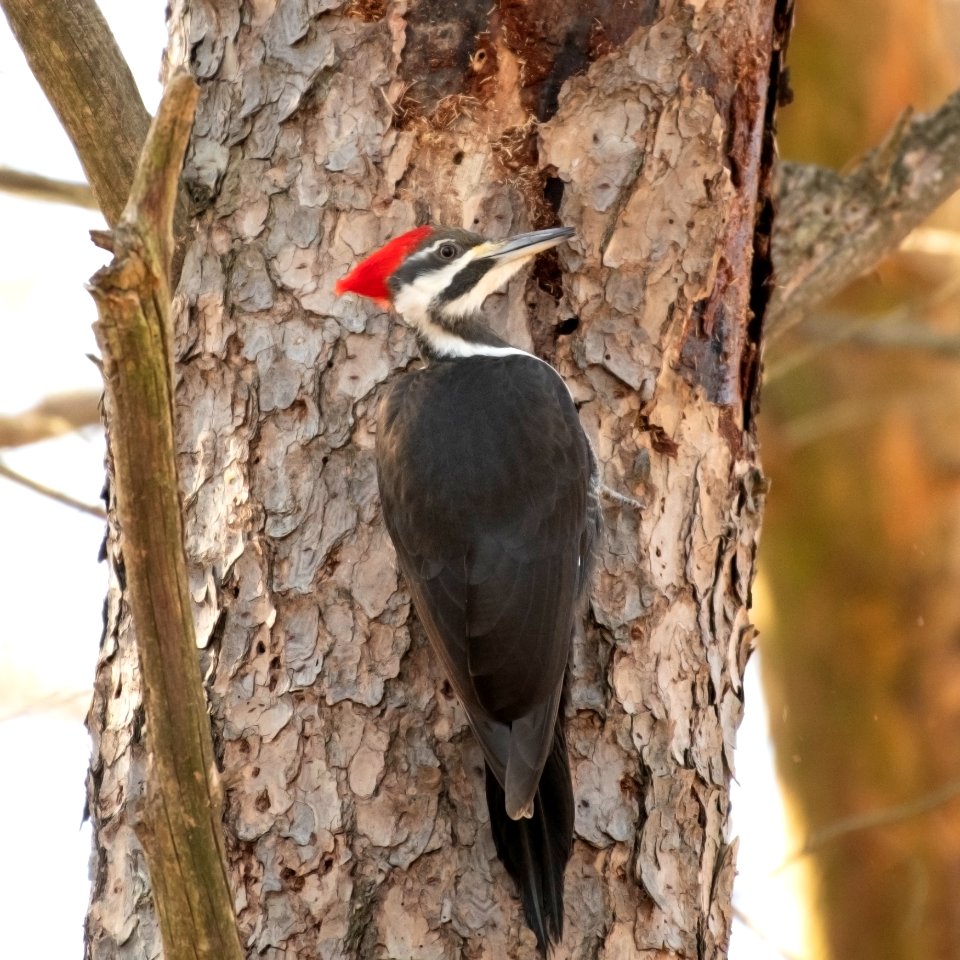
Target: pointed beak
{"type": "Point", "coordinates": [524, 245]}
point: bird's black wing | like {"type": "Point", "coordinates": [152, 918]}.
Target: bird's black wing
{"type": "Point", "coordinates": [485, 477]}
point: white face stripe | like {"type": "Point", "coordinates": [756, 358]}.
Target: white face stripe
{"type": "Point", "coordinates": [471, 302]}
{"type": "Point", "coordinates": [413, 302]}
{"type": "Point", "coordinates": [415, 298]}
{"type": "Point", "coordinates": [426, 251]}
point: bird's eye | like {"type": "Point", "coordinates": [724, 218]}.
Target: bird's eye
{"type": "Point", "coordinates": [448, 251]}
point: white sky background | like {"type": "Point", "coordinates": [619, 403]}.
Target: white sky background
{"type": "Point", "coordinates": [53, 587]}
{"type": "Point", "coordinates": [51, 584]}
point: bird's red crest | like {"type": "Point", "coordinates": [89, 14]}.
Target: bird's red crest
{"type": "Point", "coordinates": [369, 277]}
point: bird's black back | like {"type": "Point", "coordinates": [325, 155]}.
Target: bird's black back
{"type": "Point", "coordinates": [485, 477]}
{"type": "Point", "coordinates": [487, 486]}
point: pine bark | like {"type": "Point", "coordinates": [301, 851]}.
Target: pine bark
{"type": "Point", "coordinates": [355, 823]}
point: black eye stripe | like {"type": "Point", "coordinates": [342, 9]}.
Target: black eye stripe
{"type": "Point", "coordinates": [465, 280]}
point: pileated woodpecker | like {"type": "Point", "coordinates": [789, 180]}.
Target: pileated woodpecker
{"type": "Point", "coordinates": [488, 486]}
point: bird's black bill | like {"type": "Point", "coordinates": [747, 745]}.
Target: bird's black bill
{"type": "Point", "coordinates": [525, 245]}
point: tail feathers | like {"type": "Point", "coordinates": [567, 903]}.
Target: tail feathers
{"type": "Point", "coordinates": [535, 851]}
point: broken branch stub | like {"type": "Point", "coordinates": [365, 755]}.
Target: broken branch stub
{"type": "Point", "coordinates": [180, 823]}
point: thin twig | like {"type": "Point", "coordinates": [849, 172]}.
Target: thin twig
{"type": "Point", "coordinates": [54, 416]}
{"type": "Point", "coordinates": [47, 704]}
{"type": "Point", "coordinates": [50, 493]}
{"type": "Point", "coordinates": [853, 413]}
{"type": "Point", "coordinates": [903, 324]}
{"type": "Point", "coordinates": [766, 938]}
{"type": "Point", "coordinates": [35, 187]}
{"type": "Point", "coordinates": [857, 331]}
{"type": "Point", "coordinates": [77, 62]}
{"type": "Point", "coordinates": [899, 336]}
{"type": "Point", "coordinates": [871, 819]}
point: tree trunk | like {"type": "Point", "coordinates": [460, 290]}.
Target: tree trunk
{"type": "Point", "coordinates": [355, 821]}
{"type": "Point", "coordinates": [861, 663]}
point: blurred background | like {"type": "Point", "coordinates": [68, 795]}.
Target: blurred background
{"type": "Point", "coordinates": [860, 553]}
{"type": "Point", "coordinates": [848, 796]}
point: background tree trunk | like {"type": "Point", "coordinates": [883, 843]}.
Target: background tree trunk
{"type": "Point", "coordinates": [355, 821]}
{"type": "Point", "coordinates": [861, 663]}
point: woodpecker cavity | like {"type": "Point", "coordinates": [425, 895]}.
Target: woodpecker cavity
{"type": "Point", "coordinates": [488, 486]}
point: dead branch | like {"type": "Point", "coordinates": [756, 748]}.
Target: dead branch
{"type": "Point", "coordinates": [54, 416]}
{"type": "Point", "coordinates": [68, 700]}
{"type": "Point", "coordinates": [833, 227]}
{"type": "Point", "coordinates": [49, 492]}
{"type": "Point", "coordinates": [77, 62]}
{"type": "Point", "coordinates": [35, 187]}
{"type": "Point", "coordinates": [180, 825]}
{"type": "Point", "coordinates": [904, 328]}
{"type": "Point", "coordinates": [748, 922]}
{"type": "Point", "coordinates": [872, 819]}
{"type": "Point", "coordinates": [910, 335]}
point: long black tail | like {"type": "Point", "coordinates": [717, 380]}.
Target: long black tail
{"type": "Point", "coordinates": [535, 851]}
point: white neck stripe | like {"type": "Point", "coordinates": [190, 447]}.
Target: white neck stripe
{"type": "Point", "coordinates": [413, 302]}
{"type": "Point", "coordinates": [443, 343]}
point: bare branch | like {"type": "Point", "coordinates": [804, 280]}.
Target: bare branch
{"type": "Point", "coordinates": [850, 414]}
{"type": "Point", "coordinates": [765, 937]}
{"type": "Point", "coordinates": [905, 334]}
{"type": "Point", "coordinates": [63, 498]}
{"type": "Point", "coordinates": [35, 187]}
{"type": "Point", "coordinates": [833, 227]}
{"type": "Point", "coordinates": [48, 703]}
{"type": "Point", "coordinates": [934, 242]}
{"type": "Point", "coordinates": [181, 821]}
{"type": "Point", "coordinates": [77, 62]}
{"type": "Point", "coordinates": [54, 416]}
{"type": "Point", "coordinates": [902, 328]}
{"type": "Point", "coordinates": [909, 335]}
{"type": "Point", "coordinates": [884, 817]}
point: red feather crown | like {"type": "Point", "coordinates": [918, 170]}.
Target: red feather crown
{"type": "Point", "coordinates": [369, 277]}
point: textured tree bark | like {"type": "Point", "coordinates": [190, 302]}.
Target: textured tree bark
{"type": "Point", "coordinates": [355, 822]}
